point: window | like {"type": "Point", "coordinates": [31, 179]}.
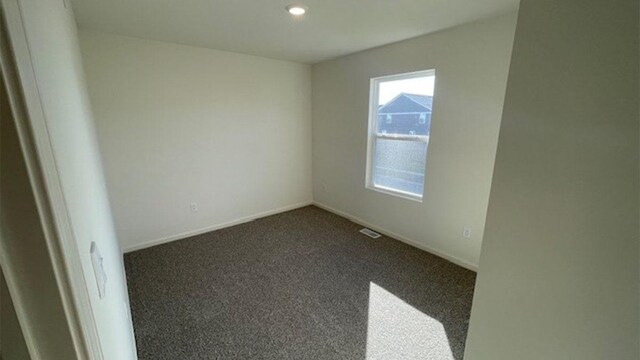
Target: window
{"type": "Point", "coordinates": [397, 150]}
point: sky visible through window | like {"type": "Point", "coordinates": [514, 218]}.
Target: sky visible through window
{"type": "Point", "coordinates": [421, 86]}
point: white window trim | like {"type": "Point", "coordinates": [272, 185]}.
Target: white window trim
{"type": "Point", "coordinates": [372, 134]}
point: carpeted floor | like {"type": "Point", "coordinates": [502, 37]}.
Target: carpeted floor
{"type": "Point", "coordinates": [304, 284]}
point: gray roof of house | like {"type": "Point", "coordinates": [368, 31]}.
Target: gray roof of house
{"type": "Point", "coordinates": [424, 100]}
{"type": "Point", "coordinates": [407, 102]}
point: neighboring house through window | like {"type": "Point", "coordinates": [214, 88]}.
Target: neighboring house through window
{"type": "Point", "coordinates": [399, 130]}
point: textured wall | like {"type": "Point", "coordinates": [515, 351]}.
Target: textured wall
{"type": "Point", "coordinates": [559, 264]}
{"type": "Point", "coordinates": [471, 64]}
{"type": "Point", "coordinates": [179, 124]}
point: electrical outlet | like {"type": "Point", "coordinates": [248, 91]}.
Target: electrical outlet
{"type": "Point", "coordinates": [194, 207]}
{"type": "Point", "coordinates": [324, 188]}
{"type": "Point", "coordinates": [466, 232]}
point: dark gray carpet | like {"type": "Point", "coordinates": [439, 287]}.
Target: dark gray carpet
{"type": "Point", "coordinates": [299, 285]}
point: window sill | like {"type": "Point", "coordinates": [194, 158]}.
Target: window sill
{"type": "Point", "coordinates": [395, 193]}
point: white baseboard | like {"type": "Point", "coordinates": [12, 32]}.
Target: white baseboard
{"type": "Point", "coordinates": [453, 259]}
{"type": "Point", "coordinates": [207, 229]}
{"type": "Point", "coordinates": [355, 219]}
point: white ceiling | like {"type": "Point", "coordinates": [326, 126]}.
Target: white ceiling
{"type": "Point", "coordinates": [330, 28]}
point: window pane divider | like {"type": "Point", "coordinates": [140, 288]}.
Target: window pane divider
{"type": "Point", "coordinates": [421, 138]}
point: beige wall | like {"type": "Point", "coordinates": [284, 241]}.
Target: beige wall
{"type": "Point", "coordinates": [471, 64]}
{"type": "Point", "coordinates": [56, 66]}
{"type": "Point", "coordinates": [180, 124]}
{"type": "Point", "coordinates": [559, 262]}
{"type": "Point", "coordinates": [25, 260]}
{"type": "Point", "coordinates": [13, 344]}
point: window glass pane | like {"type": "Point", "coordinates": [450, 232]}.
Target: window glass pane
{"type": "Point", "coordinates": [401, 110]}
{"type": "Point", "coordinates": [399, 165]}
{"type": "Point", "coordinates": [404, 106]}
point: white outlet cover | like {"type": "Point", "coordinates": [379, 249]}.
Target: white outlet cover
{"type": "Point", "coordinates": [98, 269]}
{"type": "Point", "coordinates": [466, 232]}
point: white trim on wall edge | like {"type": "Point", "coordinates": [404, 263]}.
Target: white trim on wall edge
{"type": "Point", "coordinates": [416, 244]}
{"type": "Point", "coordinates": [24, 99]}
{"type": "Point", "coordinates": [242, 220]}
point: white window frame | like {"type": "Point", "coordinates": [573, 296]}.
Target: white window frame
{"type": "Point", "coordinates": [372, 135]}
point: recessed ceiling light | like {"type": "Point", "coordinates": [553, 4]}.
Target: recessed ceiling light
{"type": "Point", "coordinates": [296, 10]}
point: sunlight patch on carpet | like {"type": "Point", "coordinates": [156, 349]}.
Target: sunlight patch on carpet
{"type": "Point", "coordinates": [396, 330]}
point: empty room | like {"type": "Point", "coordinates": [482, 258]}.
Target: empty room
{"type": "Point", "coordinates": [269, 179]}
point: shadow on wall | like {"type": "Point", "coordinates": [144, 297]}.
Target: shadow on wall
{"type": "Point", "coordinates": [11, 338]}
{"type": "Point", "coordinates": [303, 284]}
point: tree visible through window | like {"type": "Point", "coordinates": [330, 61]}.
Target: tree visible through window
{"type": "Point", "coordinates": [399, 123]}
